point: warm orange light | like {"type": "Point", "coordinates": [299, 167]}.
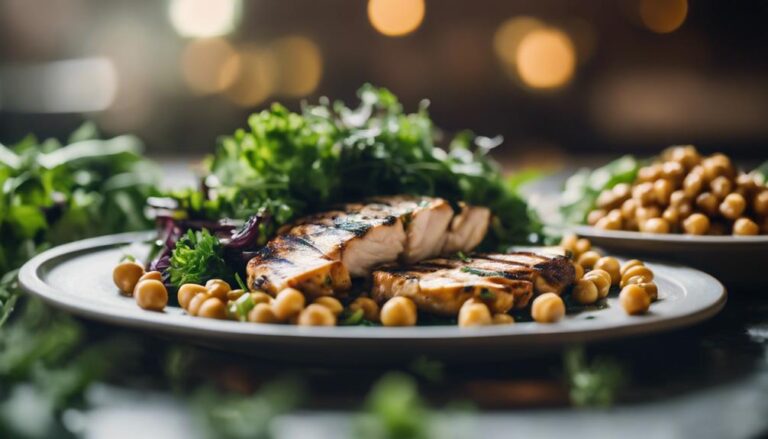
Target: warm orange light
{"type": "Point", "coordinates": [509, 35]}
{"type": "Point", "coordinates": [663, 16]}
{"type": "Point", "coordinates": [396, 18]}
{"type": "Point", "coordinates": [299, 64]}
{"type": "Point", "coordinates": [546, 58]}
{"type": "Point", "coordinates": [255, 71]}
{"type": "Point", "coordinates": [202, 65]}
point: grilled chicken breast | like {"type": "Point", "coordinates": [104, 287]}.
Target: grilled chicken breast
{"type": "Point", "coordinates": [467, 229]}
{"type": "Point", "coordinates": [292, 261]}
{"type": "Point", "coordinates": [319, 253]}
{"type": "Point", "coordinates": [502, 281]}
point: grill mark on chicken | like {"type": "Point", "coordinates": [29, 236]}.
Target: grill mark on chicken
{"type": "Point", "coordinates": [442, 285]}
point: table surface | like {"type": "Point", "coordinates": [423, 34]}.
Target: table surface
{"type": "Point", "coordinates": [709, 381]}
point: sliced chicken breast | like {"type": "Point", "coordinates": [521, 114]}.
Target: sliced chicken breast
{"type": "Point", "coordinates": [425, 219]}
{"type": "Point", "coordinates": [291, 261]}
{"type": "Point", "coordinates": [358, 240]}
{"type": "Point", "coordinates": [503, 281]}
{"type": "Point", "coordinates": [467, 229]}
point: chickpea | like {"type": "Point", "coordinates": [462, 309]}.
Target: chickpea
{"type": "Point", "coordinates": [671, 215]}
{"type": "Point", "coordinates": [649, 173]}
{"type": "Point", "coordinates": [153, 275]}
{"type": "Point", "coordinates": [634, 300]}
{"type": "Point", "coordinates": [547, 308]}
{"type": "Point", "coordinates": [685, 210]}
{"type": "Point", "coordinates": [685, 155]}
{"type": "Point", "coordinates": [569, 243]}
{"type": "Point", "coordinates": [151, 294]}
{"type": "Point", "coordinates": [611, 266]}
{"type": "Point", "coordinates": [502, 319]}
{"type": "Point", "coordinates": [746, 182]}
{"type": "Point", "coordinates": [602, 281]}
{"type": "Point", "coordinates": [474, 314]}
{"type": "Point", "coordinates": [707, 202]}
{"type": "Point", "coordinates": [608, 223]}
{"type": "Point", "coordinates": [212, 308]}
{"type": "Point", "coordinates": [606, 200]}
{"type": "Point", "coordinates": [655, 225]}
{"type": "Point", "coordinates": [716, 166]}
{"type": "Point", "coordinates": [331, 303]}
{"type": "Point", "coordinates": [588, 259]}
{"type": "Point", "coordinates": [628, 209]}
{"type": "Point", "coordinates": [398, 311]}
{"type": "Point", "coordinates": [187, 292]}
{"type": "Point", "coordinates": [615, 215]}
{"type": "Point", "coordinates": [622, 191]}
{"type": "Point", "coordinates": [696, 224]}
{"type": "Point", "coordinates": [369, 307]}
{"type": "Point", "coordinates": [733, 206]}
{"type": "Point", "coordinates": [582, 246]}
{"type": "Point", "coordinates": [126, 275]}
{"type": "Point", "coordinates": [579, 270]}
{"type": "Point", "coordinates": [760, 203]}
{"type": "Point", "coordinates": [288, 303]}
{"type": "Point", "coordinates": [596, 215]}
{"type": "Point", "coordinates": [218, 288]}
{"type": "Point", "coordinates": [585, 292]}
{"type": "Point", "coordinates": [261, 297]}
{"type": "Point", "coordinates": [317, 315]}
{"type": "Point", "coordinates": [235, 294]}
{"type": "Point", "coordinates": [677, 198]}
{"type": "Point", "coordinates": [196, 302]}
{"type": "Point", "coordinates": [262, 313]}
{"type": "Point", "coordinates": [692, 184]}
{"type": "Point", "coordinates": [642, 271]}
{"type": "Point", "coordinates": [629, 264]}
{"type": "Point", "coordinates": [643, 214]}
{"type": "Point", "coordinates": [720, 187]}
{"type": "Point", "coordinates": [651, 290]}
{"type": "Point", "coordinates": [673, 171]}
{"type": "Point", "coordinates": [644, 193]}
{"type": "Point", "coordinates": [662, 190]}
{"type": "Point", "coordinates": [631, 224]}
{"type": "Point", "coordinates": [745, 226]}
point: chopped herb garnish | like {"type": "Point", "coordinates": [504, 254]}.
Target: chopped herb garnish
{"type": "Point", "coordinates": [461, 255]}
{"type": "Point", "coordinates": [487, 294]}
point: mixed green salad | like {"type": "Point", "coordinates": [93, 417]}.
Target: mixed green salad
{"type": "Point", "coordinates": [286, 165]}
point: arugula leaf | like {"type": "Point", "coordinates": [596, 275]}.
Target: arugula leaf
{"type": "Point", "coordinates": [198, 257]}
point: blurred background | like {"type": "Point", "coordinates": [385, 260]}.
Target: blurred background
{"type": "Point", "coordinates": [551, 76]}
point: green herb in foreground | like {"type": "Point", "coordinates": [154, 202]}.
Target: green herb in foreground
{"type": "Point", "coordinates": [593, 384]}
{"type": "Point", "coordinates": [198, 257]}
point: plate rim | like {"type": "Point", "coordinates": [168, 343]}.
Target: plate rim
{"type": "Point", "coordinates": [32, 282]}
{"type": "Point", "coordinates": [677, 238]}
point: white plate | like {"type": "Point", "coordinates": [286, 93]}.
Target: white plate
{"type": "Point", "coordinates": [77, 277]}
{"type": "Point", "coordinates": [736, 260]}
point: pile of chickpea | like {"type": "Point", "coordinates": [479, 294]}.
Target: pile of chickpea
{"type": "Point", "coordinates": [686, 193]}
{"type": "Point", "coordinates": [595, 274]}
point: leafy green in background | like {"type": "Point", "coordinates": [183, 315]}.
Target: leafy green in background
{"type": "Point", "coordinates": [582, 188]}
{"type": "Point", "coordinates": [290, 164]}
{"type": "Point", "coordinates": [52, 193]}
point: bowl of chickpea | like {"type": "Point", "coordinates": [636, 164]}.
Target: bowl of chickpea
{"type": "Point", "coordinates": [691, 208]}
{"type": "Point", "coordinates": [610, 298]}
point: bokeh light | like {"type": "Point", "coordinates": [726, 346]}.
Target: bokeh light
{"type": "Point", "coordinates": [396, 18]}
{"type": "Point", "coordinates": [300, 65]}
{"type": "Point", "coordinates": [663, 16]}
{"type": "Point", "coordinates": [204, 18]}
{"type": "Point", "coordinates": [203, 63]}
{"type": "Point", "coordinates": [509, 35]}
{"type": "Point", "coordinates": [254, 71]}
{"type": "Point", "coordinates": [546, 58]}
